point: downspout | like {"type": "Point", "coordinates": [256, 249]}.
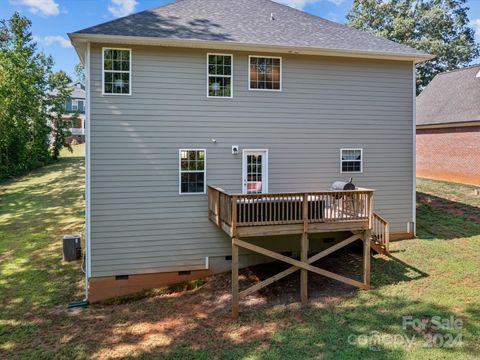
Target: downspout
{"type": "Point", "coordinates": [87, 174]}
{"type": "Point", "coordinates": [87, 257]}
{"type": "Point", "coordinates": [414, 180]}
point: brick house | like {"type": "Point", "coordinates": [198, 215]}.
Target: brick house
{"type": "Point", "coordinates": [448, 127]}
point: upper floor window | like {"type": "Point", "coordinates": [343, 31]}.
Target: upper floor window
{"type": "Point", "coordinates": [265, 73]}
{"type": "Point", "coordinates": [192, 171]}
{"type": "Point", "coordinates": [351, 160]}
{"type": "Point", "coordinates": [219, 67]}
{"type": "Point", "coordinates": [117, 71]}
{"type": "Point", "coordinates": [74, 105]}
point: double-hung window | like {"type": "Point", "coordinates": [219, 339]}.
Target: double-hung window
{"type": "Point", "coordinates": [74, 105]}
{"type": "Point", "coordinates": [117, 65]}
{"type": "Point", "coordinates": [265, 73]}
{"type": "Point", "coordinates": [351, 160]}
{"type": "Point", "coordinates": [192, 171]}
{"type": "Point", "coordinates": [219, 68]}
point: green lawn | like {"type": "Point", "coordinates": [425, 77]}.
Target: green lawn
{"type": "Point", "coordinates": [434, 275]}
{"type": "Point", "coordinates": [35, 212]}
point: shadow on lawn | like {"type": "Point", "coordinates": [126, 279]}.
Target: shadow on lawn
{"type": "Point", "coordinates": [443, 219]}
{"type": "Point", "coordinates": [195, 326]}
{"type": "Point", "coordinates": [47, 198]}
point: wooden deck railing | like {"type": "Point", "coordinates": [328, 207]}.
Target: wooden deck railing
{"type": "Point", "coordinates": [381, 232]}
{"type": "Point", "coordinates": [231, 211]}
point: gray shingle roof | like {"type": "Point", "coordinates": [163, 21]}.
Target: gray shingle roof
{"type": "Point", "coordinates": [246, 22]}
{"type": "Point", "coordinates": [451, 97]}
{"type": "Point", "coordinates": [78, 90]}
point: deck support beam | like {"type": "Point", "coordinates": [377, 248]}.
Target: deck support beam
{"type": "Point", "coordinates": [366, 258]}
{"type": "Point", "coordinates": [235, 285]}
{"type": "Point", "coordinates": [292, 269]}
{"type": "Point", "coordinates": [304, 265]}
{"type": "Point", "coordinates": [303, 272]}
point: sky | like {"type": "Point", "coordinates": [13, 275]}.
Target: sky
{"type": "Point", "coordinates": [53, 19]}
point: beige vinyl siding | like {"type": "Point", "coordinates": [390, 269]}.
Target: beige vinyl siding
{"type": "Point", "coordinates": [139, 222]}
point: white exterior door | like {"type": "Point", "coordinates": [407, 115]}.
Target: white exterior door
{"type": "Point", "coordinates": [255, 171]}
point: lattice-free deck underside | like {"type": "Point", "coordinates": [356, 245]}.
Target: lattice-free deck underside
{"type": "Point", "coordinates": [304, 265]}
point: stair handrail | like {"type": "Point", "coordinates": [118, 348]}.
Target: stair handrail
{"type": "Point", "coordinates": [381, 231]}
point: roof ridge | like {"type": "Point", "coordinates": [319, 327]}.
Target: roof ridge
{"type": "Point", "coordinates": [460, 69]}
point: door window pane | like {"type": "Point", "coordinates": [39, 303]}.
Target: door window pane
{"type": "Point", "coordinates": [254, 174]}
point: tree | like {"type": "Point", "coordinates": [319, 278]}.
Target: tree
{"type": "Point", "coordinates": [59, 93]}
{"type": "Point", "coordinates": [25, 100]}
{"type": "Point", "coordinates": [438, 27]}
{"type": "Point", "coordinates": [80, 73]}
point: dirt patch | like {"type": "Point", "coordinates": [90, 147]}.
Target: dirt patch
{"type": "Point", "coordinates": [458, 209]}
{"type": "Point", "coordinates": [320, 289]}
{"type": "Point", "coordinates": [197, 319]}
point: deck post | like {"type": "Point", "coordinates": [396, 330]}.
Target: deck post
{"type": "Point", "coordinates": [235, 287]}
{"type": "Point", "coordinates": [219, 218]}
{"type": "Point", "coordinates": [304, 252]}
{"type": "Point", "coordinates": [366, 258]}
{"type": "Point", "coordinates": [303, 272]}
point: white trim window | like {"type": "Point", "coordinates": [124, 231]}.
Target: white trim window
{"type": "Point", "coordinates": [74, 105]}
{"type": "Point", "coordinates": [351, 160]}
{"type": "Point", "coordinates": [192, 171]}
{"type": "Point", "coordinates": [116, 70]}
{"type": "Point", "coordinates": [265, 73]}
{"type": "Point", "coordinates": [219, 74]}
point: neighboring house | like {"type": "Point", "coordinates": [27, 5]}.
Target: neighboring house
{"type": "Point", "coordinates": [247, 95]}
{"type": "Point", "coordinates": [448, 127]}
{"type": "Point", "coordinates": [77, 105]}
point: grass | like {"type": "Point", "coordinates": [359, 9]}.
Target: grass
{"type": "Point", "coordinates": [35, 212]}
{"type": "Point", "coordinates": [435, 275]}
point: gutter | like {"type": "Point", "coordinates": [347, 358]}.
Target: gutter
{"type": "Point", "coordinates": [78, 41]}
{"type": "Point", "coordinates": [448, 125]}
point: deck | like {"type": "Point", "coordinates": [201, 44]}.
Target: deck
{"type": "Point", "coordinates": [242, 216]}
{"type": "Point", "coordinates": [290, 213]}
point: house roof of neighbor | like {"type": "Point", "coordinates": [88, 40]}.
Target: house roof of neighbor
{"type": "Point", "coordinates": [245, 22]}
{"type": "Point", "coordinates": [451, 97]}
{"type": "Point", "coordinates": [78, 90]}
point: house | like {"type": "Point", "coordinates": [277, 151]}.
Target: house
{"type": "Point", "coordinates": [448, 127]}
{"type": "Point", "coordinates": [242, 112]}
{"type": "Point", "coordinates": [76, 105]}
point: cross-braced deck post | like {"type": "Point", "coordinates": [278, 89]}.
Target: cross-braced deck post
{"type": "Point", "coordinates": [304, 265]}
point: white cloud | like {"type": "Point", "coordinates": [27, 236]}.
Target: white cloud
{"type": "Point", "coordinates": [42, 7]}
{"type": "Point", "coordinates": [476, 27]}
{"type": "Point", "coordinates": [331, 16]}
{"type": "Point", "coordinates": [119, 8]}
{"type": "Point", "coordinates": [337, 2]}
{"type": "Point", "coordinates": [300, 4]}
{"type": "Point", "coordinates": [49, 40]}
